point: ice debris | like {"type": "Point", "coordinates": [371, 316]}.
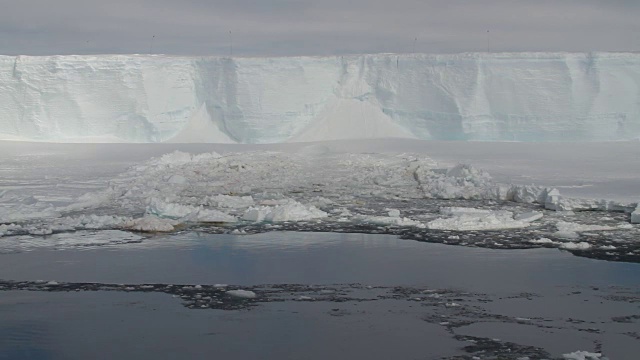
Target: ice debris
{"type": "Point", "coordinates": [542, 241]}
{"type": "Point", "coordinates": [151, 223]}
{"type": "Point", "coordinates": [528, 216]}
{"type": "Point", "coordinates": [468, 219]}
{"type": "Point", "coordinates": [576, 246]}
{"type": "Point", "coordinates": [176, 211]}
{"type": "Point", "coordinates": [178, 188]}
{"type": "Point", "coordinates": [243, 294]}
{"type": "Point", "coordinates": [388, 221]}
{"type": "Point", "coordinates": [565, 226]}
{"type": "Point", "coordinates": [290, 211]}
{"type": "Point", "coordinates": [227, 201]}
{"type": "Point", "coordinates": [9, 229]}
{"type": "Point", "coordinates": [582, 355]}
{"type": "Point", "coordinates": [393, 213]}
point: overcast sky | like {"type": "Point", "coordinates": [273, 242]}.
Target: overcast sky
{"type": "Point", "coordinates": [315, 27]}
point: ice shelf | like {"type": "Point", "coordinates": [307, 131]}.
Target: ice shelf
{"type": "Point", "coordinates": [470, 96]}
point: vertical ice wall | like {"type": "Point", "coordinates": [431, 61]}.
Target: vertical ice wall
{"type": "Point", "coordinates": [136, 98]}
{"type": "Point", "coordinates": [264, 100]}
{"type": "Point", "coordinates": [124, 98]}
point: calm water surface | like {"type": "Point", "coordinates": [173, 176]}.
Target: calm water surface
{"type": "Point", "coordinates": [315, 258]}
{"type": "Point", "coordinates": [107, 325]}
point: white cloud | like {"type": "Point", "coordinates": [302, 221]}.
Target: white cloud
{"type": "Point", "coordinates": [306, 27]}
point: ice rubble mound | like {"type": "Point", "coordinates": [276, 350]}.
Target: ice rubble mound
{"type": "Point", "coordinates": [473, 96]}
{"type": "Point", "coordinates": [177, 189]}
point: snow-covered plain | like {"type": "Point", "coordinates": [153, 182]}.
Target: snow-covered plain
{"type": "Point", "coordinates": [473, 96]}
{"type": "Point", "coordinates": [391, 186]}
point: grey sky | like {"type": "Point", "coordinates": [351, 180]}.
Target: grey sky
{"type": "Point", "coordinates": [315, 27]}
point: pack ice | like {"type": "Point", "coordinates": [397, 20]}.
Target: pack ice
{"type": "Point", "coordinates": [316, 188]}
{"type": "Point", "coordinates": [473, 96]}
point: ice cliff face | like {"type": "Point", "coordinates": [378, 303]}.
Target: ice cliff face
{"type": "Point", "coordinates": [504, 97]}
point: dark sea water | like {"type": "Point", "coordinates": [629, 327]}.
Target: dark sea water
{"type": "Point", "coordinates": [398, 299]}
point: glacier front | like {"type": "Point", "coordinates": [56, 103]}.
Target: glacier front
{"type": "Point", "coordinates": [471, 96]}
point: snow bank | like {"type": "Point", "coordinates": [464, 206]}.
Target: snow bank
{"type": "Point", "coordinates": [473, 96]}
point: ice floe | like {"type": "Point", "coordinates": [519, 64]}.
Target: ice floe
{"type": "Point", "coordinates": [582, 355]}
{"type": "Point", "coordinates": [542, 241]}
{"type": "Point", "coordinates": [569, 230]}
{"type": "Point", "coordinates": [576, 246]}
{"type": "Point", "coordinates": [290, 211]}
{"type": "Point", "coordinates": [243, 294]}
{"type": "Point", "coordinates": [466, 219]}
{"type": "Point", "coordinates": [388, 220]}
{"type": "Point", "coordinates": [151, 223]}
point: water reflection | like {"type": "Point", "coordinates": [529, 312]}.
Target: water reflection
{"type": "Point", "coordinates": [320, 258]}
{"type": "Point", "coordinates": [23, 339]}
{"type": "Point", "coordinates": [556, 286]}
